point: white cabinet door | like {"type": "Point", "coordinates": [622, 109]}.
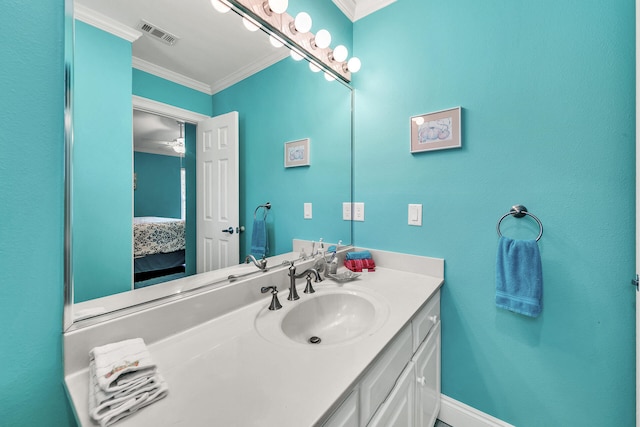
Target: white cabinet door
{"type": "Point", "coordinates": [399, 408]}
{"type": "Point", "coordinates": [378, 382]}
{"type": "Point", "coordinates": [347, 414]}
{"type": "Point", "coordinates": [427, 379]}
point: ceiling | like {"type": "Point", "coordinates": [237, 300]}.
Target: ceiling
{"type": "Point", "coordinates": [213, 50]}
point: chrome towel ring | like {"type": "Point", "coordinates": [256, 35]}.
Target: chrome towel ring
{"type": "Point", "coordinates": [519, 211]}
{"type": "Point", "coordinates": [266, 207]}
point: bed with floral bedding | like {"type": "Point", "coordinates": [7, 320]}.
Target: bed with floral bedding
{"type": "Point", "coordinates": [158, 244]}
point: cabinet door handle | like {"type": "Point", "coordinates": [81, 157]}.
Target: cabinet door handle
{"type": "Point", "coordinates": [434, 319]}
{"type": "Point", "coordinates": [421, 380]}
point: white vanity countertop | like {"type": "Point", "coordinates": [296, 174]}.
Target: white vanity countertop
{"type": "Point", "coordinates": [223, 373]}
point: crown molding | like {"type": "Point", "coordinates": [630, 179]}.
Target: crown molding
{"type": "Point", "coordinates": [348, 7]}
{"type": "Point", "coordinates": [98, 20]}
{"type": "Point", "coordinates": [172, 76]}
{"type": "Point", "coordinates": [357, 9]}
{"type": "Point", "coordinates": [245, 72]}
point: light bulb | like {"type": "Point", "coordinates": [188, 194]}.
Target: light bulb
{"type": "Point", "coordinates": [296, 55]}
{"type": "Point", "coordinates": [249, 24]}
{"type": "Point", "coordinates": [419, 120]}
{"type": "Point", "coordinates": [322, 39]}
{"type": "Point", "coordinates": [278, 6]}
{"type": "Point", "coordinates": [302, 22]}
{"type": "Point", "coordinates": [328, 77]}
{"type": "Point", "coordinates": [219, 6]}
{"type": "Point", "coordinates": [354, 65]}
{"type": "Point", "coordinates": [314, 67]}
{"type": "Point", "coordinates": [340, 53]}
{"type": "Point", "coordinates": [275, 42]}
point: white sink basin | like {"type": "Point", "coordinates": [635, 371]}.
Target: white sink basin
{"type": "Point", "coordinates": [331, 316]}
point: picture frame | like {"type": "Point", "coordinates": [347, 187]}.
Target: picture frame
{"type": "Point", "coordinates": [439, 130]}
{"type": "Point", "coordinates": [297, 153]}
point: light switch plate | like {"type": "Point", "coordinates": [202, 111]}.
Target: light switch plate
{"type": "Point", "coordinates": [346, 211]}
{"type": "Point", "coordinates": [308, 211]}
{"type": "Point", "coordinates": [415, 215]}
{"type": "Point", "coordinates": [358, 211]}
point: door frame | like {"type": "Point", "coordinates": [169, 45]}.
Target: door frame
{"type": "Point", "coordinates": [637, 213]}
{"type": "Point", "coordinates": [156, 107]}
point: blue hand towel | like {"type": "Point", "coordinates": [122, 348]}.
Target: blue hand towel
{"type": "Point", "coordinates": [519, 276]}
{"type": "Point", "coordinates": [259, 240]}
{"type": "Point", "coordinates": [358, 255]}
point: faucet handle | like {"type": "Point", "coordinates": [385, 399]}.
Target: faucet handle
{"type": "Point", "coordinates": [309, 288]}
{"type": "Point", "coordinates": [275, 304]}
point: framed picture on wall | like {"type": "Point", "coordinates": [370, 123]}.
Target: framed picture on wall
{"type": "Point", "coordinates": [436, 131]}
{"type": "Point", "coordinates": [296, 153]}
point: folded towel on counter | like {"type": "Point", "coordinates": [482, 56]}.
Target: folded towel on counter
{"type": "Point", "coordinates": [519, 276]}
{"type": "Point", "coordinates": [109, 407]}
{"type": "Point", "coordinates": [358, 255]}
{"type": "Point", "coordinates": [122, 365]}
{"type": "Point", "coordinates": [358, 265]}
{"type": "Point", "coordinates": [259, 238]}
{"type": "Point", "coordinates": [122, 379]}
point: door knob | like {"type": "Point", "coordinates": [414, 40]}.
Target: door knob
{"type": "Point", "coordinates": [228, 230]}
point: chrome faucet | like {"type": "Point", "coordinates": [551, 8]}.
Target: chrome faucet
{"type": "Point", "coordinates": [262, 264]}
{"type": "Point", "coordinates": [293, 293]}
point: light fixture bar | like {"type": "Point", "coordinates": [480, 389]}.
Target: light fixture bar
{"type": "Point", "coordinates": [280, 25]}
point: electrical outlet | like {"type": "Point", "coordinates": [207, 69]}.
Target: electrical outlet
{"type": "Point", "coordinates": [308, 211]}
{"type": "Point", "coordinates": [358, 211]}
{"type": "Point", "coordinates": [346, 211]}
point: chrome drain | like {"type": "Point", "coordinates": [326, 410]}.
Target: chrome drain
{"type": "Point", "coordinates": [314, 340]}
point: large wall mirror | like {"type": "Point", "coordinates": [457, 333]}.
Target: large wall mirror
{"type": "Point", "coordinates": [147, 75]}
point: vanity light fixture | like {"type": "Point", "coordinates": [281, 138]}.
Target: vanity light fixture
{"type": "Point", "coordinates": [328, 77]}
{"type": "Point", "coordinates": [275, 6]}
{"type": "Point", "coordinates": [339, 53]}
{"type": "Point", "coordinates": [272, 18]}
{"type": "Point", "coordinates": [322, 39]}
{"type": "Point", "coordinates": [297, 56]}
{"type": "Point", "coordinates": [220, 6]}
{"type": "Point", "coordinates": [314, 67]}
{"type": "Point", "coordinates": [275, 42]}
{"type": "Point", "coordinates": [249, 24]}
{"type": "Point", "coordinates": [301, 24]}
{"type": "Point", "coordinates": [353, 65]}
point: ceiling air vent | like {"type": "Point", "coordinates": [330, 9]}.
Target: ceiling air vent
{"type": "Point", "coordinates": [157, 33]}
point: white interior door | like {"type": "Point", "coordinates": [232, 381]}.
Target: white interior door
{"type": "Point", "coordinates": [217, 192]}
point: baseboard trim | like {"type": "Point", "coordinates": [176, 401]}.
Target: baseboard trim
{"type": "Point", "coordinates": [458, 414]}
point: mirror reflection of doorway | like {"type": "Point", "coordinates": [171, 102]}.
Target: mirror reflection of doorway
{"type": "Point", "coordinates": [160, 199]}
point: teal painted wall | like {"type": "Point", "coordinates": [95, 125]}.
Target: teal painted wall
{"type": "Point", "coordinates": [547, 90]}
{"type": "Point", "coordinates": [149, 86]}
{"type": "Point", "coordinates": [103, 164]}
{"type": "Point", "coordinates": [32, 194]}
{"type": "Point", "coordinates": [287, 102]}
{"type": "Point", "coordinates": [157, 185]}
